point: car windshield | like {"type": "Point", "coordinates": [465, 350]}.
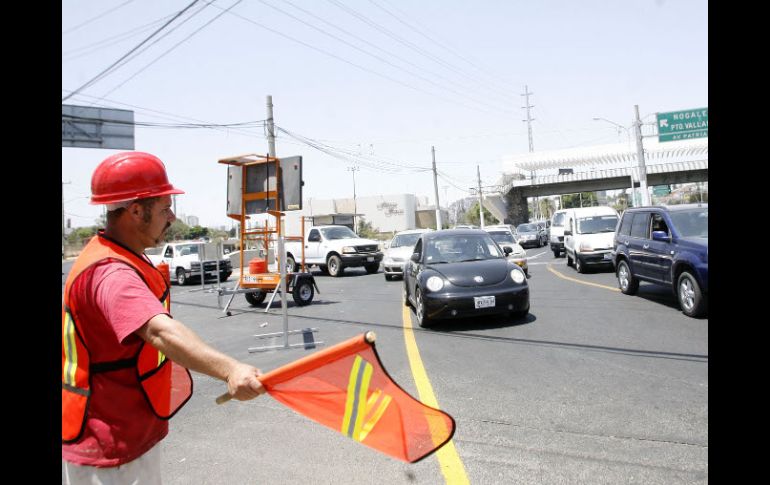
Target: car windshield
{"type": "Point", "coordinates": [502, 236]}
{"type": "Point", "coordinates": [187, 249]}
{"type": "Point", "coordinates": [408, 240]}
{"type": "Point", "coordinates": [527, 228]}
{"type": "Point", "coordinates": [691, 223]}
{"type": "Point", "coordinates": [338, 233]}
{"type": "Point", "coordinates": [461, 248]}
{"type": "Point", "coordinates": [596, 224]}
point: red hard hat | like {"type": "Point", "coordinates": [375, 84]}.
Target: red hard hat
{"type": "Point", "coordinates": [128, 176]}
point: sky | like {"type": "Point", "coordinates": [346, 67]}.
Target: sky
{"type": "Point", "coordinates": [372, 84]}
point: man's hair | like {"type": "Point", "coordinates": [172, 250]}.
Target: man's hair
{"type": "Point", "coordinates": [114, 211]}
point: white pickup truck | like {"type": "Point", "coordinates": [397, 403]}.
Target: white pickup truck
{"type": "Point", "coordinates": [332, 249]}
{"type": "Point", "coordinates": [184, 260]}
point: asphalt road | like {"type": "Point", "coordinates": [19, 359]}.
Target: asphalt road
{"type": "Point", "coordinates": [593, 387]}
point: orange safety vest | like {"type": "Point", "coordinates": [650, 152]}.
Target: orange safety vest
{"type": "Point", "coordinates": [167, 386]}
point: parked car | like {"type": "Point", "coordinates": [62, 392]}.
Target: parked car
{"type": "Point", "coordinates": [588, 236]}
{"type": "Point", "coordinates": [504, 238]}
{"type": "Point", "coordinates": [666, 245]}
{"type": "Point", "coordinates": [398, 252]}
{"type": "Point", "coordinates": [530, 235]}
{"type": "Point", "coordinates": [556, 233]}
{"type": "Point", "coordinates": [461, 273]}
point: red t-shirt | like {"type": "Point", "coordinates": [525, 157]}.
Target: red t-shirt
{"type": "Point", "coordinates": [113, 302]}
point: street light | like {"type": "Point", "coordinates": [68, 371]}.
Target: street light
{"type": "Point", "coordinates": [618, 125]}
{"type": "Point", "coordinates": [355, 208]}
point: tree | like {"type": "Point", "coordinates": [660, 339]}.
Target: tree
{"type": "Point", "coordinates": [472, 216]}
{"type": "Point", "coordinates": [177, 231]}
{"type": "Point", "coordinates": [81, 235]}
{"type": "Point", "coordinates": [574, 200]}
{"type": "Point", "coordinates": [365, 229]}
{"type": "Point", "coordinates": [197, 232]}
{"type": "Point", "coordinates": [547, 208]}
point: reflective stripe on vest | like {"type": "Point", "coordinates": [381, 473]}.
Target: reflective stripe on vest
{"type": "Point", "coordinates": [166, 385]}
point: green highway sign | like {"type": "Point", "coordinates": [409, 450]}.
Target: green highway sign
{"type": "Point", "coordinates": [682, 125]}
{"type": "Point", "coordinates": [659, 190]}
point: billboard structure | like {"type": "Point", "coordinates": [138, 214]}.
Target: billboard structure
{"type": "Point", "coordinates": [89, 127]}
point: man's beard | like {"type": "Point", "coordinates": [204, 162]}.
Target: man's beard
{"type": "Point", "coordinates": [159, 239]}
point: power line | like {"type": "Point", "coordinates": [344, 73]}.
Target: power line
{"type": "Point", "coordinates": [421, 31]}
{"type": "Point", "coordinates": [171, 48]}
{"type": "Point", "coordinates": [407, 43]}
{"type": "Point", "coordinates": [339, 58]}
{"type": "Point", "coordinates": [105, 71]}
{"type": "Point", "coordinates": [412, 73]}
{"type": "Point", "coordinates": [72, 29]}
{"type": "Point", "coordinates": [95, 46]}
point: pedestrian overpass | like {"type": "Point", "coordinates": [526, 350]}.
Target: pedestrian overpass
{"type": "Point", "coordinates": [603, 167]}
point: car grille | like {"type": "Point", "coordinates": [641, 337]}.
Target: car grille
{"type": "Point", "coordinates": [366, 249]}
{"type": "Point", "coordinates": [561, 238]}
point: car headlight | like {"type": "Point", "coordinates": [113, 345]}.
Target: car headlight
{"type": "Point", "coordinates": [517, 276]}
{"type": "Point", "coordinates": [435, 283]}
{"type": "Point", "coordinates": [584, 246]}
{"type": "Point", "coordinates": [348, 250]}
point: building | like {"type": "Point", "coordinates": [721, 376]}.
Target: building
{"type": "Point", "coordinates": [386, 213]}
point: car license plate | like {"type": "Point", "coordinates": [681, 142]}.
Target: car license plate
{"type": "Point", "coordinates": [607, 256]}
{"type": "Point", "coordinates": [484, 301]}
{"type": "Point", "coordinates": [370, 258]}
{"type": "Point", "coordinates": [249, 279]}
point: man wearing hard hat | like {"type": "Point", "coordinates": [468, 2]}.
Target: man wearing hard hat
{"type": "Point", "coordinates": [125, 360]}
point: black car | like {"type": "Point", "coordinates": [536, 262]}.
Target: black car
{"type": "Point", "coordinates": [668, 246]}
{"type": "Point", "coordinates": [462, 273]}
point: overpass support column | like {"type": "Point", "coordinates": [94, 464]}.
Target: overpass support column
{"type": "Point", "coordinates": [518, 211]}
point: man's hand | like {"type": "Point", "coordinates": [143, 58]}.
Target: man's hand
{"type": "Point", "coordinates": [243, 383]}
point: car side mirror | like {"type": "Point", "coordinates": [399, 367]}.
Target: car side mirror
{"type": "Point", "coordinates": [415, 257]}
{"type": "Point", "coordinates": [661, 236]}
{"type": "Point", "coordinates": [507, 250]}
{"type": "Point", "coordinates": [567, 232]}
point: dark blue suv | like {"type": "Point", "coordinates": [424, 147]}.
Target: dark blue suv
{"type": "Point", "coordinates": [665, 245]}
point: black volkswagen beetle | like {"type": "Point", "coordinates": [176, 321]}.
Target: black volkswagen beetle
{"type": "Point", "coordinates": [462, 273]}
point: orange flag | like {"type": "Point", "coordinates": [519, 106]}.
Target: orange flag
{"type": "Point", "coordinates": [346, 388]}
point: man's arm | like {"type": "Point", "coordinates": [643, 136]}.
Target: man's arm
{"type": "Point", "coordinates": [184, 347]}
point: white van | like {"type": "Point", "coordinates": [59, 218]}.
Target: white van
{"type": "Point", "coordinates": [589, 233]}
{"type": "Point", "coordinates": [556, 235]}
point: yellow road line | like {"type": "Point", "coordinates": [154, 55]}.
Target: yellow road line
{"type": "Point", "coordinates": [580, 281]}
{"type": "Point", "coordinates": [451, 466]}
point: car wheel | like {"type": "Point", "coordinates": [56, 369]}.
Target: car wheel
{"type": "Point", "coordinates": [405, 296]}
{"type": "Point", "coordinates": [690, 297]}
{"type": "Point", "coordinates": [291, 265]}
{"type": "Point", "coordinates": [580, 267]}
{"type": "Point", "coordinates": [388, 277]}
{"type": "Point", "coordinates": [627, 282]}
{"type": "Point", "coordinates": [422, 319]}
{"type": "Point", "coordinates": [569, 260]}
{"type": "Point", "coordinates": [224, 276]}
{"type": "Point", "coordinates": [334, 265]}
{"type": "Point", "coordinates": [181, 277]}
{"type": "Point", "coordinates": [255, 298]}
{"type": "Point", "coordinates": [555, 253]}
{"type": "Point", "coordinates": [372, 268]}
{"type": "Point", "coordinates": [303, 293]}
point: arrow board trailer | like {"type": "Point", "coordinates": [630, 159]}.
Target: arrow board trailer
{"type": "Point", "coordinates": [260, 184]}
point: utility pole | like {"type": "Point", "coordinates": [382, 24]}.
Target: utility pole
{"type": "Point", "coordinates": [640, 156]}
{"type": "Point", "coordinates": [435, 189]}
{"type": "Point", "coordinates": [62, 217]}
{"type": "Point", "coordinates": [531, 143]}
{"type": "Point", "coordinates": [481, 198]}
{"type": "Point", "coordinates": [281, 248]}
{"type": "Point", "coordinates": [354, 169]}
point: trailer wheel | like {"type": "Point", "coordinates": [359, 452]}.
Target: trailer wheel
{"type": "Point", "coordinates": [255, 298]}
{"type": "Point", "coordinates": [303, 293]}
